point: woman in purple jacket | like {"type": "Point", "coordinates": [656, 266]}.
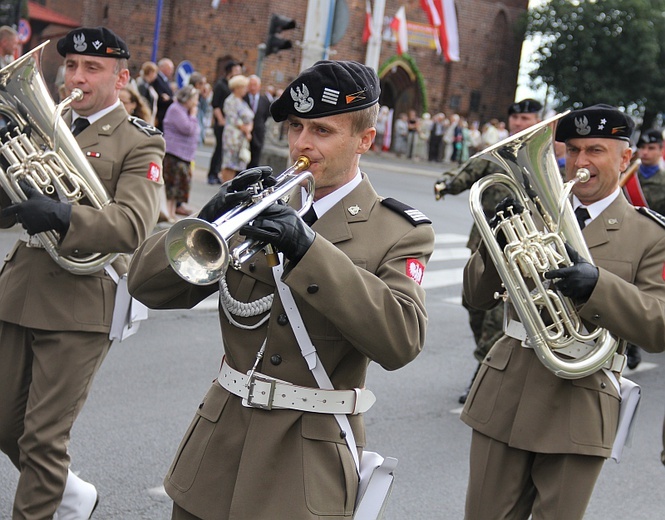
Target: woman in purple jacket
{"type": "Point", "coordinates": [181, 133]}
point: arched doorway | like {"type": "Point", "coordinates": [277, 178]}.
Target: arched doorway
{"type": "Point", "coordinates": [401, 86]}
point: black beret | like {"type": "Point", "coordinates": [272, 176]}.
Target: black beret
{"type": "Point", "coordinates": [602, 121]}
{"type": "Point", "coordinates": [651, 136]}
{"type": "Point", "coordinates": [328, 88]}
{"type": "Point", "coordinates": [93, 41]}
{"type": "Point", "coordinates": [526, 106]}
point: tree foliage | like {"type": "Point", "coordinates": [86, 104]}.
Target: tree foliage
{"type": "Point", "coordinates": [605, 51]}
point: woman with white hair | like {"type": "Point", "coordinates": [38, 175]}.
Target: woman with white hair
{"type": "Point", "coordinates": [238, 129]}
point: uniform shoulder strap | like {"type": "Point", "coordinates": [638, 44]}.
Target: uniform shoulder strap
{"type": "Point", "coordinates": [416, 217]}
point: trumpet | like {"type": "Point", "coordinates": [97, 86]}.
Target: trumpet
{"type": "Point", "coordinates": [198, 250]}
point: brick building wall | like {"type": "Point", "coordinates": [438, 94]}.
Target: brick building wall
{"type": "Point", "coordinates": [480, 86]}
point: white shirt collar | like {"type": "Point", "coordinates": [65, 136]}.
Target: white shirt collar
{"type": "Point", "coordinates": [599, 206]}
{"type": "Point", "coordinates": [322, 205]}
{"type": "Point", "coordinates": [97, 115]}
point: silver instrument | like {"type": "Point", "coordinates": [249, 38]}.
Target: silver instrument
{"type": "Point", "coordinates": [198, 250]}
{"type": "Point", "coordinates": [550, 319]}
{"type": "Point", "coordinates": [40, 149]}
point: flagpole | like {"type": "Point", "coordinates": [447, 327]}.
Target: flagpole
{"type": "Point", "coordinates": [374, 44]}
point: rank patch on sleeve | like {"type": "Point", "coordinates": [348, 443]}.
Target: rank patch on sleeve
{"type": "Point", "coordinates": [154, 172]}
{"type": "Point", "coordinates": [415, 270]}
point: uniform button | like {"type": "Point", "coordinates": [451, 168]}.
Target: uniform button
{"type": "Point", "coordinates": [342, 434]}
{"type": "Point", "coordinates": [312, 288]}
{"type": "Point", "coordinates": [488, 358]}
{"type": "Point", "coordinates": [282, 319]}
{"type": "Point", "coordinates": [252, 267]}
{"type": "Point", "coordinates": [596, 316]}
{"type": "Point", "coordinates": [602, 384]}
{"type": "Point", "coordinates": [201, 406]}
{"type": "Point", "coordinates": [276, 359]}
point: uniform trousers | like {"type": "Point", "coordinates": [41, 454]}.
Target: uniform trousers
{"type": "Point", "coordinates": [45, 378]}
{"type": "Point", "coordinates": [511, 484]}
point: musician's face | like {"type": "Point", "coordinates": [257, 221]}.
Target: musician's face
{"type": "Point", "coordinates": [604, 158]}
{"type": "Point", "coordinates": [650, 153]}
{"type": "Point", "coordinates": [332, 147]}
{"type": "Point", "coordinates": [519, 122]}
{"type": "Point", "coordinates": [98, 78]}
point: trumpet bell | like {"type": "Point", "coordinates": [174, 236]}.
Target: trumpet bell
{"type": "Point", "coordinates": [197, 252]}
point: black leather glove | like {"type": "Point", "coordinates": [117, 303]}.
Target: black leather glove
{"type": "Point", "coordinates": [508, 206]}
{"type": "Point", "coordinates": [234, 192]}
{"type": "Point", "coordinates": [281, 226]}
{"type": "Point", "coordinates": [40, 213]}
{"type": "Point", "coordinates": [577, 281]}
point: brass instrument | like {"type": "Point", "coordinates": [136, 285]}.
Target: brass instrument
{"type": "Point", "coordinates": [198, 250]}
{"type": "Point", "coordinates": [550, 319]}
{"type": "Point", "coordinates": [40, 149]}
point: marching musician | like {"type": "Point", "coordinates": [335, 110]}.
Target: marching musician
{"type": "Point", "coordinates": [355, 276]}
{"type": "Point", "coordinates": [539, 441]}
{"type": "Point", "coordinates": [486, 325]}
{"type": "Point", "coordinates": [54, 325]}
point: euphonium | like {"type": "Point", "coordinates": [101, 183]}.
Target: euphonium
{"type": "Point", "coordinates": [38, 148]}
{"type": "Point", "coordinates": [550, 319]}
{"type": "Point", "coordinates": [198, 250]}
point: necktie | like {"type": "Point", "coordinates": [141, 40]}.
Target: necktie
{"type": "Point", "coordinates": [255, 102]}
{"type": "Point", "coordinates": [310, 216]}
{"type": "Point", "coordinates": [582, 215]}
{"type": "Point", "coordinates": [79, 125]}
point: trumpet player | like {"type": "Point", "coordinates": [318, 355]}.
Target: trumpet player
{"type": "Point", "coordinates": [354, 265]}
{"type": "Point", "coordinates": [54, 324]}
{"type": "Point", "coordinates": [539, 441]}
{"type": "Point", "coordinates": [486, 325]}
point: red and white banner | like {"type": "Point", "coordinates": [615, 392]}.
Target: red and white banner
{"type": "Point", "coordinates": [398, 25]}
{"type": "Point", "coordinates": [448, 29]}
{"type": "Point", "coordinates": [367, 29]}
{"type": "Point", "coordinates": [431, 11]}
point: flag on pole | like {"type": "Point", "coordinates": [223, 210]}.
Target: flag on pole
{"type": "Point", "coordinates": [367, 30]}
{"type": "Point", "coordinates": [432, 13]}
{"type": "Point", "coordinates": [448, 29]}
{"type": "Point", "coordinates": [398, 25]}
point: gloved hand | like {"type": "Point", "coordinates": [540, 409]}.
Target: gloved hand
{"type": "Point", "coordinates": [234, 192]}
{"type": "Point", "coordinates": [281, 226]}
{"type": "Point", "coordinates": [509, 206]}
{"type": "Point", "coordinates": [577, 281]}
{"type": "Point", "coordinates": [40, 213]}
{"type": "Point", "coordinates": [441, 185]}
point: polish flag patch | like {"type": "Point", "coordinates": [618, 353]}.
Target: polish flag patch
{"type": "Point", "coordinates": [154, 172]}
{"type": "Point", "coordinates": [663, 272]}
{"type": "Point", "coordinates": [415, 270]}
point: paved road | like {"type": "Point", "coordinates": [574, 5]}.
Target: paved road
{"type": "Point", "coordinates": [149, 386]}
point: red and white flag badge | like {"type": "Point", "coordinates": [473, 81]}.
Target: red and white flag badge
{"type": "Point", "coordinates": [96, 155]}
{"type": "Point", "coordinates": [415, 270]}
{"type": "Point", "coordinates": [663, 272]}
{"type": "Point", "coordinates": [154, 172]}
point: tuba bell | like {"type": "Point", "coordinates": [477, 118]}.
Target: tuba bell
{"type": "Point", "coordinates": [37, 147]}
{"type": "Point", "coordinates": [535, 244]}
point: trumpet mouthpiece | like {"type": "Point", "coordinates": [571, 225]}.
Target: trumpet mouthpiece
{"type": "Point", "coordinates": [302, 163]}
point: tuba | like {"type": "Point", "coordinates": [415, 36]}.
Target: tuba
{"type": "Point", "coordinates": [198, 250]}
{"type": "Point", "coordinates": [553, 326]}
{"type": "Point", "coordinates": [37, 147]}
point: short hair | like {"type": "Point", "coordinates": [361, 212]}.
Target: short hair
{"type": "Point", "coordinates": [196, 77]}
{"type": "Point", "coordinates": [364, 118]}
{"type": "Point", "coordinates": [149, 67]}
{"type": "Point", "coordinates": [6, 31]}
{"type": "Point", "coordinates": [238, 81]}
{"type": "Point", "coordinates": [186, 93]}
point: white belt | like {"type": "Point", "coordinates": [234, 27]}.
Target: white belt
{"type": "Point", "coordinates": [516, 330]}
{"type": "Point", "coordinates": [265, 392]}
{"type": "Point", "coordinates": [30, 240]}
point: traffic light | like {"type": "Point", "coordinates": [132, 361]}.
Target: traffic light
{"type": "Point", "coordinates": [278, 24]}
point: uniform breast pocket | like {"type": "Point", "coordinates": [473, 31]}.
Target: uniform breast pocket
{"type": "Point", "coordinates": [103, 168]}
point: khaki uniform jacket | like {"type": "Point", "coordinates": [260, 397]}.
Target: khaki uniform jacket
{"type": "Point", "coordinates": [358, 304]}
{"type": "Point", "coordinates": [516, 400]}
{"type": "Point", "coordinates": [34, 291]}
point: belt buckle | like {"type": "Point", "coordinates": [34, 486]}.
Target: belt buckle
{"type": "Point", "coordinates": [250, 400]}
